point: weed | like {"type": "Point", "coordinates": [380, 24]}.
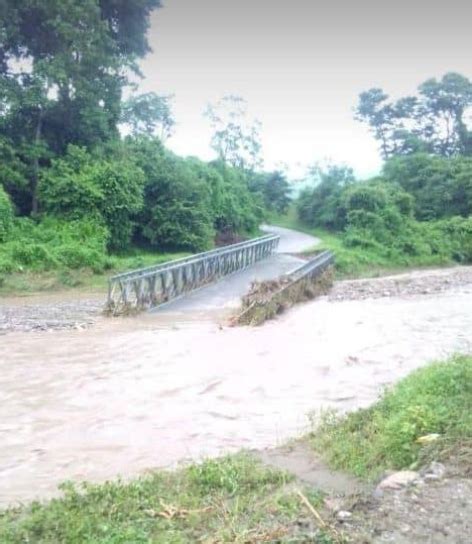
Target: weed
{"type": "Point", "coordinates": [434, 400]}
{"type": "Point", "coordinates": [232, 499]}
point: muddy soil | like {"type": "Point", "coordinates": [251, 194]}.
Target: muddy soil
{"type": "Point", "coordinates": [300, 460]}
{"type": "Point", "coordinates": [436, 509]}
{"type": "Point", "coordinates": [432, 512]}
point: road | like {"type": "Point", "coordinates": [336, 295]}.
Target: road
{"type": "Point", "coordinates": [225, 295]}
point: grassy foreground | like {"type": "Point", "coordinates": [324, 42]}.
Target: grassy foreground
{"type": "Point", "coordinates": [352, 262]}
{"type": "Point", "coordinates": [232, 499]}
{"type": "Point", "coordinates": [235, 499]}
{"type": "Point", "coordinates": [426, 415]}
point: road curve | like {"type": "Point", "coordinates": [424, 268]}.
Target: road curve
{"type": "Point", "coordinates": [292, 241]}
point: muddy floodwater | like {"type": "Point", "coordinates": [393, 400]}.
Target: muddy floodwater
{"type": "Point", "coordinates": [134, 394]}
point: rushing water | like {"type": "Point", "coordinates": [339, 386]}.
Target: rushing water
{"type": "Point", "coordinates": [134, 394]}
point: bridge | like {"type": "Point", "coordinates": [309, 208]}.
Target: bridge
{"type": "Point", "coordinates": [209, 280]}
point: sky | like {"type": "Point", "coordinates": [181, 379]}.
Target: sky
{"type": "Point", "coordinates": [301, 65]}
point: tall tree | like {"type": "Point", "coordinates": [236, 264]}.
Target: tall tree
{"type": "Point", "coordinates": [434, 121]}
{"type": "Point", "coordinates": [63, 66]}
{"type": "Point", "coordinates": [149, 114]}
{"type": "Point", "coordinates": [236, 136]}
{"type": "Point", "coordinates": [444, 104]}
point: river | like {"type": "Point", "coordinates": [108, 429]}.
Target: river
{"type": "Point", "coordinates": [129, 395]}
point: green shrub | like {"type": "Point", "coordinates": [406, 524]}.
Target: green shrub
{"type": "Point", "coordinates": [53, 244]}
{"type": "Point", "coordinates": [231, 474]}
{"type": "Point", "coordinates": [457, 231]}
{"type": "Point", "coordinates": [177, 212]}
{"type": "Point", "coordinates": [323, 206]}
{"type": "Point", "coordinates": [80, 186]}
{"type": "Point", "coordinates": [436, 399]}
{"type": "Point", "coordinates": [6, 216]}
{"type": "Point", "coordinates": [32, 254]}
{"type": "Point", "coordinates": [441, 187]}
{"type": "Point", "coordinates": [7, 266]}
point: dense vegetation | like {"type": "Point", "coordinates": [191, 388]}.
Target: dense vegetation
{"type": "Point", "coordinates": [427, 414]}
{"type": "Point", "coordinates": [408, 216]}
{"type": "Point", "coordinates": [232, 499]}
{"type": "Point", "coordinates": [72, 189]}
{"type": "Point", "coordinates": [419, 210]}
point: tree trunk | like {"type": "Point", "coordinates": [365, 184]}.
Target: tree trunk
{"type": "Point", "coordinates": [35, 178]}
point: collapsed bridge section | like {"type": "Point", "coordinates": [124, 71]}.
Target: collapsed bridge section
{"type": "Point", "coordinates": [155, 285]}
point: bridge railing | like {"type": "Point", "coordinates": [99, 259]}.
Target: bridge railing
{"type": "Point", "coordinates": [155, 285]}
{"type": "Point", "coordinates": [268, 299]}
{"type": "Point", "coordinates": [312, 268]}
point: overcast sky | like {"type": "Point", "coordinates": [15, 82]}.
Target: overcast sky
{"type": "Point", "coordinates": [301, 65]}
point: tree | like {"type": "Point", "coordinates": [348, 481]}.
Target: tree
{"type": "Point", "coordinates": [275, 189]}
{"type": "Point", "coordinates": [236, 136]}
{"type": "Point", "coordinates": [149, 114]}
{"type": "Point", "coordinates": [177, 212]}
{"type": "Point", "coordinates": [444, 104]}
{"type": "Point", "coordinates": [441, 187]}
{"type": "Point", "coordinates": [63, 67]}
{"type": "Point", "coordinates": [432, 122]}
{"type": "Point", "coordinates": [6, 215]}
{"type": "Point", "coordinates": [80, 186]}
{"type": "Point", "coordinates": [322, 205]}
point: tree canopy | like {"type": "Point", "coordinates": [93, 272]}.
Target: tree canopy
{"type": "Point", "coordinates": [433, 121]}
{"type": "Point", "coordinates": [63, 67]}
{"type": "Point", "coordinates": [236, 136]}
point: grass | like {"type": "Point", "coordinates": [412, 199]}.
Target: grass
{"type": "Point", "coordinates": [357, 262]}
{"type": "Point", "coordinates": [30, 281]}
{"type": "Point", "coordinates": [232, 499]}
{"type": "Point", "coordinates": [428, 414]}
{"type": "Point", "coordinates": [84, 279]}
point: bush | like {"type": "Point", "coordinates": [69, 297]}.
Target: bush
{"type": "Point", "coordinates": [323, 206]}
{"type": "Point", "coordinates": [274, 189]}
{"type": "Point", "coordinates": [53, 244]}
{"type": "Point", "coordinates": [457, 233]}
{"type": "Point", "coordinates": [234, 207]}
{"type": "Point", "coordinates": [379, 218]}
{"type": "Point", "coordinates": [80, 186]}
{"type": "Point", "coordinates": [176, 213]}
{"type": "Point", "coordinates": [441, 187]}
{"type": "Point", "coordinates": [6, 215]}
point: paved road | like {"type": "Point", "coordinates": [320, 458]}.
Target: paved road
{"type": "Point", "coordinates": [225, 295]}
{"type": "Point", "coordinates": [292, 241]}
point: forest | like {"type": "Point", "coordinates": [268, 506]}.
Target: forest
{"type": "Point", "coordinates": [418, 211]}
{"type": "Point", "coordinates": [87, 182]}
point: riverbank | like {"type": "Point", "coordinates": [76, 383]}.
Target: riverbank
{"type": "Point", "coordinates": [289, 494]}
{"type": "Point", "coordinates": [81, 309]}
